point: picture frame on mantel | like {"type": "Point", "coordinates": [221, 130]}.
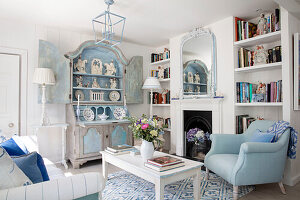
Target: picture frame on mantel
{"type": "Point", "coordinates": [296, 71]}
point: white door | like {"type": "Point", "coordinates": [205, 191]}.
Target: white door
{"type": "Point", "coordinates": [9, 94]}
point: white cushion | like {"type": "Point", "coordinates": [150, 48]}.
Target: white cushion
{"type": "Point", "coordinates": [10, 173]}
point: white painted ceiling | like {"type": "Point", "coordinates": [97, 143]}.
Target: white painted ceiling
{"type": "Point", "coordinates": [149, 22]}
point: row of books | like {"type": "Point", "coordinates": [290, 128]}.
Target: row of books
{"type": "Point", "coordinates": [245, 30]}
{"type": "Point", "coordinates": [163, 122]}
{"type": "Point", "coordinates": [249, 92]}
{"type": "Point", "coordinates": [164, 163]}
{"type": "Point", "coordinates": [160, 56]}
{"type": "Point", "coordinates": [120, 149]}
{"type": "Point", "coordinates": [154, 73]}
{"type": "Point", "coordinates": [160, 98]}
{"type": "Point", "coordinates": [243, 122]}
{"type": "Point", "coordinates": [246, 57]}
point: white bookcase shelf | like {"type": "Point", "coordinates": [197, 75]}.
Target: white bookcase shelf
{"type": "Point", "coordinates": [161, 62]}
{"type": "Point", "coordinates": [164, 80]}
{"type": "Point", "coordinates": [259, 104]}
{"type": "Point", "coordinates": [161, 105]}
{"type": "Point", "coordinates": [261, 39]}
{"type": "Point", "coordinates": [269, 66]}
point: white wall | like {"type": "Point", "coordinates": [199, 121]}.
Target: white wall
{"type": "Point", "coordinates": [289, 26]}
{"type": "Point", "coordinates": [26, 36]}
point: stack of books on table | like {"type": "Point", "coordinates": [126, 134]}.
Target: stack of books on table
{"type": "Point", "coordinates": [120, 149]}
{"type": "Point", "coordinates": [164, 163]}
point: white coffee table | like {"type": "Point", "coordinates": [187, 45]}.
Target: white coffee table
{"type": "Point", "coordinates": [135, 165]}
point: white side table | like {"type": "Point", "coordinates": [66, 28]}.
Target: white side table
{"type": "Point", "coordinates": [63, 138]}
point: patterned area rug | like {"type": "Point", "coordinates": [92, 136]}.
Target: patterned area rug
{"type": "Point", "coordinates": [125, 186]}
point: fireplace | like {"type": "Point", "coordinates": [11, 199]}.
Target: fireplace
{"type": "Point", "coordinates": [197, 122]}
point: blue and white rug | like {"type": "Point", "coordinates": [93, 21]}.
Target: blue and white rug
{"type": "Point", "coordinates": [125, 186]}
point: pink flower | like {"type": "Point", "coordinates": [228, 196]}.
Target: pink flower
{"type": "Point", "coordinates": [145, 126]}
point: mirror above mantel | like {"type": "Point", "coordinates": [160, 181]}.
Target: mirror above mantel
{"type": "Point", "coordinates": [198, 58]}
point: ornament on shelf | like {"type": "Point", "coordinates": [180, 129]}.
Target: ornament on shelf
{"type": "Point", "coordinates": [110, 68]}
{"type": "Point", "coordinates": [190, 77]}
{"type": "Point", "coordinates": [79, 81]}
{"type": "Point", "coordinates": [163, 94]}
{"type": "Point", "coordinates": [161, 74]}
{"type": "Point", "coordinates": [197, 78]}
{"type": "Point", "coordinates": [97, 96]}
{"type": "Point", "coordinates": [80, 65]}
{"type": "Point", "coordinates": [113, 83]}
{"type": "Point", "coordinates": [96, 67]}
{"type": "Point", "coordinates": [260, 55]}
{"type": "Point", "coordinates": [95, 84]}
{"type": "Point", "coordinates": [261, 89]}
{"type": "Point", "coordinates": [87, 84]}
{"type": "Point", "coordinates": [197, 89]}
{"type": "Point", "coordinates": [262, 25]}
{"type": "Point", "coordinates": [190, 89]}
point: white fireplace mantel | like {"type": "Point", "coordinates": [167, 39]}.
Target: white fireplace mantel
{"type": "Point", "coordinates": [206, 104]}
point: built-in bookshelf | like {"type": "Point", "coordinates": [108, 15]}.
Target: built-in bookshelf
{"type": "Point", "coordinates": [259, 75]}
{"type": "Point", "coordinates": [161, 61]}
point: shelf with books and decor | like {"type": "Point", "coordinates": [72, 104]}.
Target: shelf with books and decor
{"type": "Point", "coordinates": [258, 69]}
{"type": "Point", "coordinates": [165, 61]}
{"type": "Point", "coordinates": [268, 66]}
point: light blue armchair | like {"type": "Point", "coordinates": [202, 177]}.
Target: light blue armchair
{"type": "Point", "coordinates": [248, 163]}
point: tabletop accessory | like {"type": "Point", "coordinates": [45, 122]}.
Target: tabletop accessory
{"type": "Point", "coordinates": [151, 83]}
{"type": "Point", "coordinates": [149, 131]}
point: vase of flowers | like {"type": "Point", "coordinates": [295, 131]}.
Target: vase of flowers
{"type": "Point", "coordinates": [199, 139]}
{"type": "Point", "coordinates": [149, 131]}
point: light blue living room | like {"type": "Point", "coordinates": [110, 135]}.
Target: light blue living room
{"type": "Point", "coordinates": [149, 100]}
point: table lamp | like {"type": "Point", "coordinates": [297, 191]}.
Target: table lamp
{"type": "Point", "coordinates": [43, 77]}
{"type": "Point", "coordinates": [151, 83]}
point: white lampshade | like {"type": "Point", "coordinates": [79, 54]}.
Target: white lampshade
{"type": "Point", "coordinates": [43, 76]}
{"type": "Point", "coordinates": [151, 83]}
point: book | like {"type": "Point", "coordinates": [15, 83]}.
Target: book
{"type": "Point", "coordinates": [161, 169]}
{"type": "Point", "coordinates": [119, 148]}
{"type": "Point", "coordinates": [118, 153]}
{"type": "Point", "coordinates": [164, 161]}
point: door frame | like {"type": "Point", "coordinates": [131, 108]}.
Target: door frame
{"type": "Point", "coordinates": [23, 85]}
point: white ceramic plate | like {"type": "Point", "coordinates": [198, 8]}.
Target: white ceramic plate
{"type": "Point", "coordinates": [88, 114]}
{"type": "Point", "coordinates": [119, 113]}
{"type": "Point", "coordinates": [114, 96]}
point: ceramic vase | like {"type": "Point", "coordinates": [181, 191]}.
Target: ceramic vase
{"type": "Point", "coordinates": [147, 150]}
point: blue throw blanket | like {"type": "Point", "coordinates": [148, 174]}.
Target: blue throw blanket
{"type": "Point", "coordinates": [278, 129]}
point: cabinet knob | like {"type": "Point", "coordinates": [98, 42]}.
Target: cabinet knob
{"type": "Point", "coordinates": [106, 136]}
{"type": "Point", "coordinates": [10, 125]}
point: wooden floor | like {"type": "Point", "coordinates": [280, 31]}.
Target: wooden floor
{"type": "Point", "coordinates": [265, 191]}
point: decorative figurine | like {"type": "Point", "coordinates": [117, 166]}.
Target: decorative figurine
{"type": "Point", "coordinates": [79, 81]}
{"type": "Point", "coordinates": [190, 77]}
{"type": "Point", "coordinates": [262, 25]}
{"type": "Point", "coordinates": [184, 77]}
{"type": "Point", "coordinates": [197, 89]}
{"type": "Point", "coordinates": [113, 83]}
{"type": "Point", "coordinates": [161, 72]}
{"type": "Point", "coordinates": [163, 94]}
{"type": "Point", "coordinates": [95, 84]}
{"type": "Point", "coordinates": [197, 78]}
{"type": "Point", "coordinates": [80, 65]}
{"type": "Point", "coordinates": [86, 85]}
{"type": "Point", "coordinates": [260, 55]}
{"type": "Point", "coordinates": [96, 67]}
{"type": "Point", "coordinates": [110, 69]}
{"type": "Point", "coordinates": [190, 89]}
{"type": "Point", "coordinates": [106, 85]}
{"type": "Point", "coordinates": [261, 89]}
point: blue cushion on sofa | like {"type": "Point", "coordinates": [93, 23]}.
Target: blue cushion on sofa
{"type": "Point", "coordinates": [28, 164]}
{"type": "Point", "coordinates": [14, 146]}
{"type": "Point", "coordinates": [259, 136]}
{"type": "Point", "coordinates": [43, 170]}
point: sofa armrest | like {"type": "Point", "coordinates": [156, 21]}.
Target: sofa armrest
{"type": "Point", "coordinates": [72, 187]}
{"type": "Point", "coordinates": [260, 147]}
{"type": "Point", "coordinates": [225, 144]}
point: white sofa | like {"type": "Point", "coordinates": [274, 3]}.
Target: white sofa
{"type": "Point", "coordinates": [81, 186]}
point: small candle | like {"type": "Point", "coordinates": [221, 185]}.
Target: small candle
{"type": "Point", "coordinates": [78, 100]}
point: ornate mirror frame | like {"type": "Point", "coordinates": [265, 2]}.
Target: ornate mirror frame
{"type": "Point", "coordinates": [197, 33]}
